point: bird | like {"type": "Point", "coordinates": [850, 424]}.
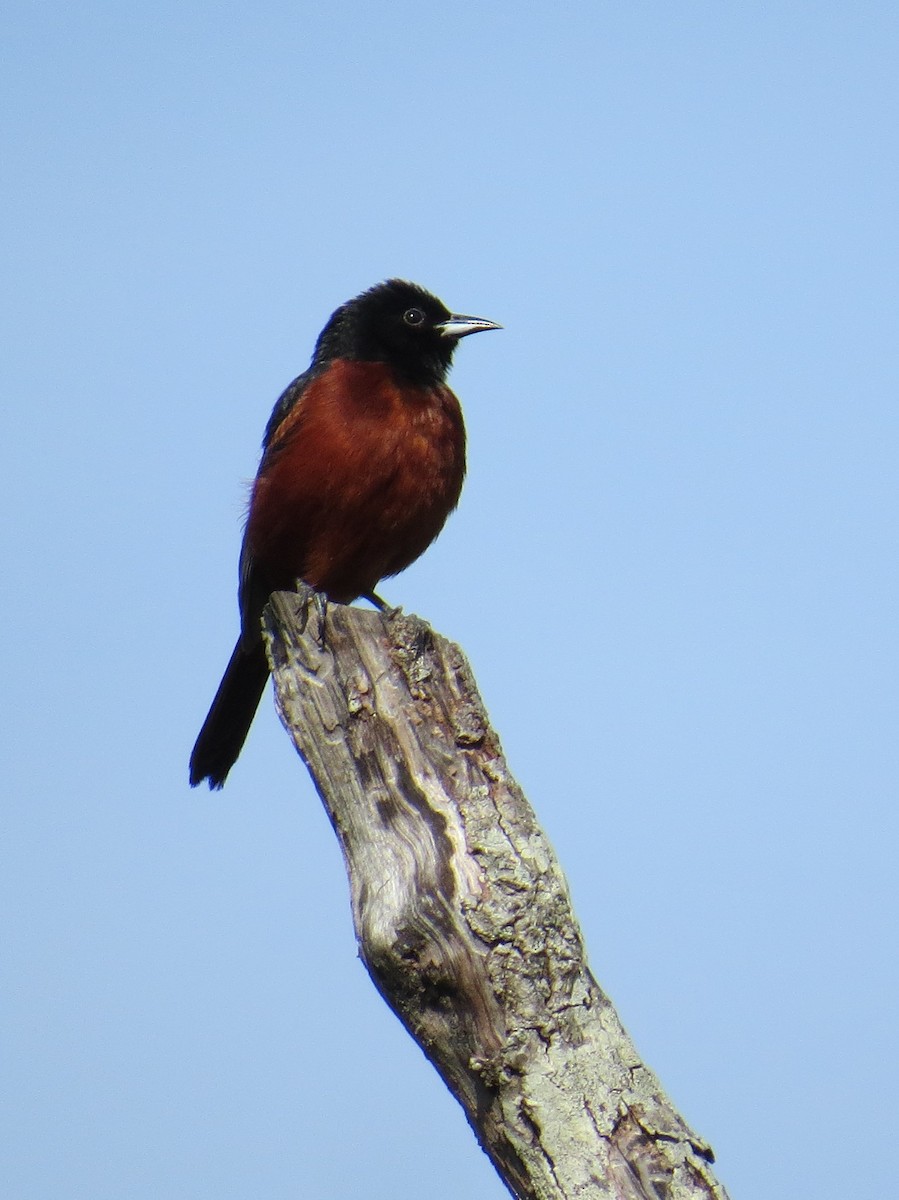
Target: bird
{"type": "Point", "coordinates": [363, 460]}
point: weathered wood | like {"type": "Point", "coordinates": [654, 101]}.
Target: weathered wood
{"type": "Point", "coordinates": [462, 913]}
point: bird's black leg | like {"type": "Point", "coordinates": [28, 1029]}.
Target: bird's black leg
{"type": "Point", "coordinates": [317, 600]}
{"type": "Point", "coordinates": [381, 605]}
{"type": "Point", "coordinates": [320, 600]}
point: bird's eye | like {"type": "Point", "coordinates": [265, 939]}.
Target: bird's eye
{"type": "Point", "coordinates": [413, 316]}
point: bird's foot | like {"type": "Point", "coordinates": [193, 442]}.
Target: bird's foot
{"type": "Point", "coordinates": [317, 601]}
{"type": "Point", "coordinates": [388, 610]}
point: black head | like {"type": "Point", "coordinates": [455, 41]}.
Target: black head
{"type": "Point", "coordinates": [401, 324]}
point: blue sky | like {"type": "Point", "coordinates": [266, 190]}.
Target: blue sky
{"type": "Point", "coordinates": [673, 568]}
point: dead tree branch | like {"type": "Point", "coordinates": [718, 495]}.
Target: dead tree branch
{"type": "Point", "coordinates": [463, 916]}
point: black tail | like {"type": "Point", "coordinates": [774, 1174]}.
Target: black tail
{"type": "Point", "coordinates": [230, 717]}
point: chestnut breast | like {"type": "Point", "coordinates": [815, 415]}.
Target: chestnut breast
{"type": "Point", "coordinates": [357, 480]}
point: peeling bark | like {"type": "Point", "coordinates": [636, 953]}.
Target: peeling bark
{"type": "Point", "coordinates": [462, 913]}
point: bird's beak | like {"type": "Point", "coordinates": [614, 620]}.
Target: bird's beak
{"type": "Point", "coordinates": [457, 326]}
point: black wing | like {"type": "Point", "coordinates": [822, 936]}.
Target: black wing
{"type": "Point", "coordinates": [284, 405]}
